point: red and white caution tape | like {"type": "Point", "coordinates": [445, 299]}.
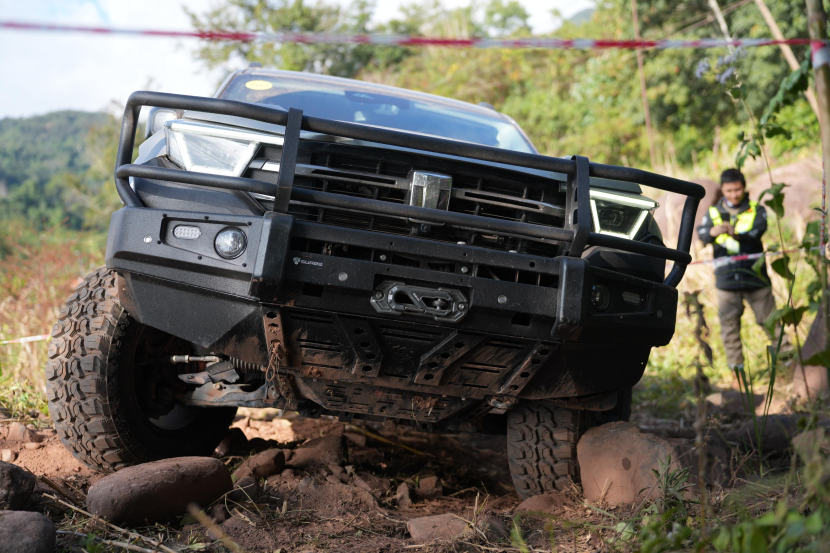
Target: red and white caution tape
{"type": "Point", "coordinates": [408, 40]}
{"type": "Point", "coordinates": [26, 340]}
{"type": "Point", "coordinates": [720, 261]}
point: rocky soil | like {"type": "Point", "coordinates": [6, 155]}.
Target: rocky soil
{"type": "Point", "coordinates": [282, 483]}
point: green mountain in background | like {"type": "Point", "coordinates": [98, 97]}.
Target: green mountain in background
{"type": "Point", "coordinates": [582, 16]}
{"type": "Point", "coordinates": [37, 148]}
{"type": "Point", "coordinates": [56, 169]}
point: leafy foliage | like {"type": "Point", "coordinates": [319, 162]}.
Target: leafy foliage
{"type": "Point", "coordinates": [568, 101]}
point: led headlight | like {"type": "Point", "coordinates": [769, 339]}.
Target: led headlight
{"type": "Point", "coordinates": [211, 149]}
{"type": "Point", "coordinates": [619, 214]}
{"type": "Point", "coordinates": [230, 243]}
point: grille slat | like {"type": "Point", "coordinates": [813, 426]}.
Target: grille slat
{"type": "Point", "coordinates": [477, 178]}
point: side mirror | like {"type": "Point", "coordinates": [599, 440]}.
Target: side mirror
{"type": "Point", "coordinates": [157, 117]}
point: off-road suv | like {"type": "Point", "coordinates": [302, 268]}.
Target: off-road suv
{"type": "Point", "coordinates": [342, 248]}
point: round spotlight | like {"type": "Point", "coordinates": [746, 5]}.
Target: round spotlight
{"type": "Point", "coordinates": [600, 297]}
{"type": "Point", "coordinates": [230, 243]}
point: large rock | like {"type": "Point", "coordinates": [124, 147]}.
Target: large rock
{"type": "Point", "coordinates": [16, 486]}
{"type": "Point", "coordinates": [262, 465]}
{"type": "Point", "coordinates": [328, 450]}
{"type": "Point", "coordinates": [811, 382]}
{"type": "Point", "coordinates": [26, 532]}
{"type": "Point", "coordinates": [159, 490]}
{"type": "Point", "coordinates": [616, 461]}
{"type": "Point", "coordinates": [437, 527]}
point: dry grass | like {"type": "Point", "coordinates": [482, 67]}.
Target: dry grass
{"type": "Point", "coordinates": [37, 274]}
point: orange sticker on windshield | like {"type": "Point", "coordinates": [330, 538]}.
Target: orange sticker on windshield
{"type": "Point", "coordinates": [258, 85]}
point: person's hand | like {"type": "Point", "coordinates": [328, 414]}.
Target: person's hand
{"type": "Point", "coordinates": [729, 229]}
{"type": "Point", "coordinates": [717, 230]}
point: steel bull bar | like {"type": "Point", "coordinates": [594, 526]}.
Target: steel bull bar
{"type": "Point", "coordinates": [576, 233]}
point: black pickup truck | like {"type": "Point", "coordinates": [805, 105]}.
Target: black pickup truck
{"type": "Point", "coordinates": [348, 249]}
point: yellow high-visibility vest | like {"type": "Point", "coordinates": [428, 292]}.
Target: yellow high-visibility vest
{"type": "Point", "coordinates": [743, 223]}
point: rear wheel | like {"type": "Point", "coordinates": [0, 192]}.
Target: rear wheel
{"type": "Point", "coordinates": [541, 443]}
{"type": "Point", "coordinates": [111, 392]}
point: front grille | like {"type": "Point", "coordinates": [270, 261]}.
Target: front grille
{"type": "Point", "coordinates": [381, 174]}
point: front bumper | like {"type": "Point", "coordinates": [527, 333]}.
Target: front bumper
{"type": "Point", "coordinates": [183, 287]}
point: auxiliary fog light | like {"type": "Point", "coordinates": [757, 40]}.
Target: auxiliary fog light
{"type": "Point", "coordinates": [230, 243]}
{"type": "Point", "coordinates": [600, 297]}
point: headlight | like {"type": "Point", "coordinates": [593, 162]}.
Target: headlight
{"type": "Point", "coordinates": [210, 149]}
{"type": "Point", "coordinates": [619, 214]}
{"type": "Point", "coordinates": [230, 243]}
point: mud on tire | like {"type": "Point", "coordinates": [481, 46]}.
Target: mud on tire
{"type": "Point", "coordinates": [541, 448]}
{"type": "Point", "coordinates": [94, 387]}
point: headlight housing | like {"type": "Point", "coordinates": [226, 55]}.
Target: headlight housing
{"type": "Point", "coordinates": [619, 214]}
{"type": "Point", "coordinates": [212, 149]}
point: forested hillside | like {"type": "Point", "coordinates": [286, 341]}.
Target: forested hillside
{"type": "Point", "coordinates": [53, 166]}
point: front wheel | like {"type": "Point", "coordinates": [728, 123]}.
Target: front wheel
{"type": "Point", "coordinates": [541, 443]}
{"type": "Point", "coordinates": [111, 392]}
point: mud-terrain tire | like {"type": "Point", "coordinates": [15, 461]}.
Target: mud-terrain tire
{"type": "Point", "coordinates": [94, 386]}
{"type": "Point", "coordinates": [541, 448]}
{"type": "Point", "coordinates": [541, 443]}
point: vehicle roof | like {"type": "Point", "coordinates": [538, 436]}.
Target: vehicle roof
{"type": "Point", "coordinates": [380, 88]}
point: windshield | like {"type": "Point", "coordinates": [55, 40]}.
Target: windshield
{"type": "Point", "coordinates": [354, 102]}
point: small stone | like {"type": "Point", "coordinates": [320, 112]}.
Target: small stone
{"type": "Point", "coordinates": [372, 483]}
{"type": "Point", "coordinates": [356, 439]}
{"type": "Point", "coordinates": [8, 456]}
{"type": "Point", "coordinates": [370, 457]}
{"type": "Point", "coordinates": [32, 445]}
{"type": "Point", "coordinates": [16, 486]}
{"type": "Point", "coordinates": [402, 496]}
{"type": "Point", "coordinates": [158, 491]}
{"type": "Point", "coordinates": [320, 451]}
{"type": "Point", "coordinates": [262, 465]}
{"type": "Point", "coordinates": [429, 486]}
{"type": "Point", "coordinates": [337, 470]}
{"type": "Point", "coordinates": [287, 473]}
{"type": "Point", "coordinates": [26, 532]}
{"type": "Point", "coordinates": [16, 432]}
{"type": "Point", "coordinates": [234, 441]}
{"type": "Point", "coordinates": [332, 479]}
{"type": "Point", "coordinates": [549, 503]}
{"type": "Point", "coordinates": [219, 514]}
{"type": "Point", "coordinates": [307, 484]}
{"type": "Point", "coordinates": [437, 527]}
{"type": "Point", "coordinates": [810, 444]}
{"type": "Point", "coordinates": [245, 489]}
{"type": "Point", "coordinates": [493, 527]}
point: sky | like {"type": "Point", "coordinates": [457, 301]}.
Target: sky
{"type": "Point", "coordinates": [44, 72]}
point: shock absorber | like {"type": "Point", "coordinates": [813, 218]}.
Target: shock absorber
{"type": "Point", "coordinates": [245, 366]}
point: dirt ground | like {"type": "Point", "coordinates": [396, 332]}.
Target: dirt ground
{"type": "Point", "coordinates": [311, 511]}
